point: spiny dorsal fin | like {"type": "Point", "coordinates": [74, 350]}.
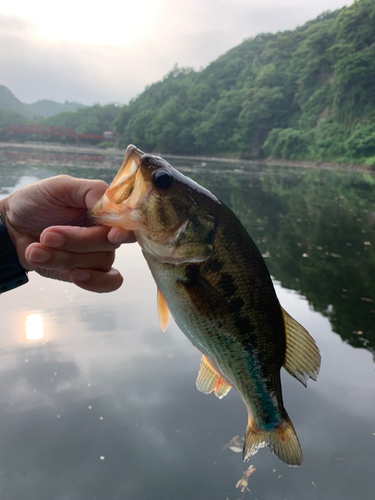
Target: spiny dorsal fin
{"type": "Point", "coordinates": [302, 357]}
{"type": "Point", "coordinates": [209, 380]}
{"type": "Point", "coordinates": [163, 311]}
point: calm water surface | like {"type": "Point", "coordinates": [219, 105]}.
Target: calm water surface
{"type": "Point", "coordinates": [97, 403]}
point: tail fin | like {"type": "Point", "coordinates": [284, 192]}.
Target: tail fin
{"type": "Point", "coordinates": [282, 440]}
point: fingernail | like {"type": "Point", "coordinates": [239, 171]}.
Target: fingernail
{"type": "Point", "coordinates": [38, 255]}
{"type": "Point", "coordinates": [121, 236]}
{"type": "Point", "coordinates": [53, 240]}
{"type": "Point", "coordinates": [80, 275]}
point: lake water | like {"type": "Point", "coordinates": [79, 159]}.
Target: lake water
{"type": "Point", "coordinates": [97, 403]}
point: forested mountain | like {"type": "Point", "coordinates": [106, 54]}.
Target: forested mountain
{"type": "Point", "coordinates": [46, 108]}
{"type": "Point", "coordinates": [302, 94]}
{"type": "Point", "coordinates": [89, 120]}
{"type": "Point", "coordinates": [39, 109]}
{"type": "Point", "coordinates": [92, 120]}
{"type": "Point", "coordinates": [10, 103]}
{"type": "Point", "coordinates": [7, 117]}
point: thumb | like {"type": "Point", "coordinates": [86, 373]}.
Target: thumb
{"type": "Point", "coordinates": [80, 193]}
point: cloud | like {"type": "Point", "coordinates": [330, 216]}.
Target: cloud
{"type": "Point", "coordinates": [190, 33]}
{"type": "Point", "coordinates": [15, 26]}
{"type": "Point", "coordinates": [34, 69]}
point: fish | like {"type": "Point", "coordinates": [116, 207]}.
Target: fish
{"type": "Point", "coordinates": [212, 279]}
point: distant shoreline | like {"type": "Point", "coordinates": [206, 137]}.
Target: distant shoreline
{"type": "Point", "coordinates": [119, 153]}
{"type": "Point", "coordinates": [63, 149]}
{"type": "Point", "coordinates": [280, 163]}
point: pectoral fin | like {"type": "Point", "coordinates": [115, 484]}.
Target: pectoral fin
{"type": "Point", "coordinates": [205, 298]}
{"type": "Point", "coordinates": [163, 311]}
{"type": "Point", "coordinates": [302, 357]}
{"type": "Point", "coordinates": [209, 380]}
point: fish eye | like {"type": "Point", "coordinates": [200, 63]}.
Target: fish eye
{"type": "Point", "coordinates": [162, 179]}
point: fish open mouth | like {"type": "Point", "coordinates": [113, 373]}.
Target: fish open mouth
{"type": "Point", "coordinates": [127, 191]}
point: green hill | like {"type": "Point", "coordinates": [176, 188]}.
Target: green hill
{"type": "Point", "coordinates": [7, 117]}
{"type": "Point", "coordinates": [40, 109]}
{"type": "Point", "coordinates": [88, 120]}
{"type": "Point", "coordinates": [46, 108]}
{"type": "Point", "coordinates": [8, 102]}
{"type": "Point", "coordinates": [302, 94]}
{"type": "Point", "coordinates": [305, 94]}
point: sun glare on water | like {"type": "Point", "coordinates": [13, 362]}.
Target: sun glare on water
{"type": "Point", "coordinates": [34, 327]}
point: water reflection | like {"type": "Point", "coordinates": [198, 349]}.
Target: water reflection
{"type": "Point", "coordinates": [34, 327]}
{"type": "Point", "coordinates": [317, 230]}
{"type": "Point", "coordinates": [104, 381]}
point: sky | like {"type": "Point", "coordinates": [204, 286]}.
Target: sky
{"type": "Point", "coordinates": [108, 51]}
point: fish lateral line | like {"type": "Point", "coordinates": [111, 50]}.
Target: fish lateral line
{"type": "Point", "coordinates": [219, 290]}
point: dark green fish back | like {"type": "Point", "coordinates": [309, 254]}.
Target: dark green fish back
{"type": "Point", "coordinates": [228, 308]}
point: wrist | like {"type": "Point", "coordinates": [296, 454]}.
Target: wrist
{"type": "Point", "coordinates": [3, 208]}
{"type": "Point", "coordinates": [4, 212]}
{"type": "Point", "coordinates": [15, 236]}
{"type": "Point", "coordinates": [12, 274]}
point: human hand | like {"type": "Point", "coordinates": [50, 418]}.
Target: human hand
{"type": "Point", "coordinates": [48, 227]}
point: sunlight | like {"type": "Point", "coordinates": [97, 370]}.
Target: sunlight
{"type": "Point", "coordinates": [34, 327]}
{"type": "Point", "coordinates": [112, 23]}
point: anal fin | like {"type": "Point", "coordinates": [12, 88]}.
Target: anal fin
{"type": "Point", "coordinates": [302, 356]}
{"type": "Point", "coordinates": [209, 380]}
{"type": "Point", "coordinates": [163, 311]}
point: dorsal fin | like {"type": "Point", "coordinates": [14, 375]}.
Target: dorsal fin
{"type": "Point", "coordinates": [209, 380]}
{"type": "Point", "coordinates": [302, 357]}
{"type": "Point", "coordinates": [163, 311]}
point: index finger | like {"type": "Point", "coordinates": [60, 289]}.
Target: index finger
{"type": "Point", "coordinates": [78, 239]}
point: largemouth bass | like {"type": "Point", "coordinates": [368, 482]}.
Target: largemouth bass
{"type": "Point", "coordinates": [213, 280]}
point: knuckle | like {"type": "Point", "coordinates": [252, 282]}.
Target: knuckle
{"type": "Point", "coordinates": [69, 261]}
{"type": "Point", "coordinates": [63, 177]}
{"type": "Point", "coordinates": [108, 260]}
{"type": "Point", "coordinates": [83, 245]}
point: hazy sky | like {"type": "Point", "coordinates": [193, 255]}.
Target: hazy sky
{"type": "Point", "coordinates": [109, 51]}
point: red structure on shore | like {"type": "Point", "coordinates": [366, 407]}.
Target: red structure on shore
{"type": "Point", "coordinates": [19, 128]}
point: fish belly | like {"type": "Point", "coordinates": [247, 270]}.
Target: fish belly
{"type": "Point", "coordinates": [240, 367]}
{"type": "Point", "coordinates": [240, 364]}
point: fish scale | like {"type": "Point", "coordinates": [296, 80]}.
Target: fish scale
{"type": "Point", "coordinates": [213, 280]}
{"type": "Point", "coordinates": [258, 384]}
